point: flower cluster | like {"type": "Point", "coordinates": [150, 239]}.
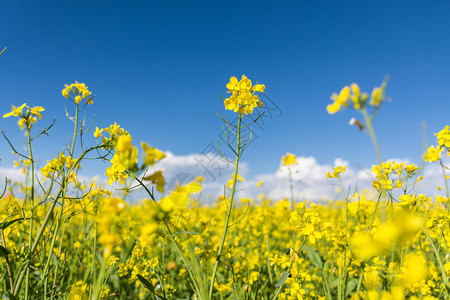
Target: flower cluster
{"type": "Point", "coordinates": [337, 172]}
{"type": "Point", "coordinates": [179, 198]}
{"type": "Point", "coordinates": [403, 173]}
{"type": "Point", "coordinates": [125, 157]}
{"type": "Point", "coordinates": [230, 182]}
{"type": "Point", "coordinates": [357, 99]}
{"type": "Point", "coordinates": [77, 92]}
{"type": "Point", "coordinates": [157, 179]}
{"type": "Point", "coordinates": [243, 97]}
{"type": "Point", "coordinates": [60, 166]}
{"type": "Point", "coordinates": [289, 159]}
{"type": "Point", "coordinates": [151, 154]}
{"type": "Point", "coordinates": [434, 153]}
{"type": "Point", "coordinates": [28, 115]}
{"type": "Point", "coordinates": [308, 222]}
{"type": "Point", "coordinates": [398, 231]}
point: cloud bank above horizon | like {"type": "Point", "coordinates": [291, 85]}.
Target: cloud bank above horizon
{"type": "Point", "coordinates": [308, 176]}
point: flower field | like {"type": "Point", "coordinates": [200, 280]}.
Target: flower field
{"type": "Point", "coordinates": [63, 238]}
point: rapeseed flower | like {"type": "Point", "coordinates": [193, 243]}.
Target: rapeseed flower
{"type": "Point", "coordinates": [339, 101]}
{"type": "Point", "coordinates": [15, 111]}
{"type": "Point", "coordinates": [289, 159]}
{"type": "Point", "coordinates": [28, 115]}
{"type": "Point", "coordinates": [77, 92]}
{"type": "Point", "coordinates": [151, 155]}
{"type": "Point", "coordinates": [243, 97]}
{"type": "Point", "coordinates": [443, 137]}
{"type": "Point", "coordinates": [432, 154]}
{"type": "Point", "coordinates": [337, 172]}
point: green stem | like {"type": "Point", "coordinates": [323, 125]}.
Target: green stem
{"type": "Point", "coordinates": [53, 241]}
{"type": "Point", "coordinates": [180, 253]}
{"type": "Point", "coordinates": [36, 241]}
{"type": "Point", "coordinates": [59, 252]}
{"type": "Point", "coordinates": [289, 269]}
{"type": "Point", "coordinates": [446, 188]}
{"type": "Point", "coordinates": [30, 236]}
{"type": "Point", "coordinates": [374, 212]}
{"type": "Point", "coordinates": [8, 265]}
{"type": "Point", "coordinates": [94, 252]}
{"type": "Point", "coordinates": [177, 247]}
{"type": "Point", "coordinates": [358, 286]}
{"type": "Point", "coordinates": [291, 187]}
{"type": "Point", "coordinates": [74, 131]}
{"type": "Point", "coordinates": [268, 258]}
{"type": "Point", "coordinates": [98, 286]}
{"type": "Point", "coordinates": [47, 218]}
{"type": "Point", "coordinates": [230, 207]}
{"type": "Point", "coordinates": [438, 258]}
{"type": "Point", "coordinates": [342, 267]}
{"type": "Point", "coordinates": [368, 121]}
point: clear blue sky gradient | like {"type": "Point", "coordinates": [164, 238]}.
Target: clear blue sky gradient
{"type": "Point", "coordinates": [156, 68]}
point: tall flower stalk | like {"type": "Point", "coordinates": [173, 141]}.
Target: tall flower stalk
{"type": "Point", "coordinates": [288, 161]}
{"type": "Point", "coordinates": [368, 107]}
{"type": "Point", "coordinates": [243, 100]}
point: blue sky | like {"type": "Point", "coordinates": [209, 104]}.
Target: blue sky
{"type": "Point", "coordinates": [156, 69]}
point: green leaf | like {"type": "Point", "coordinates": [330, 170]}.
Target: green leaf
{"type": "Point", "coordinates": [184, 232]}
{"type": "Point", "coordinates": [313, 256]}
{"type": "Point", "coordinates": [8, 296]}
{"type": "Point", "coordinates": [351, 285]}
{"type": "Point", "coordinates": [5, 225]}
{"type": "Point", "coordinates": [283, 279]}
{"type": "Point", "coordinates": [150, 287]}
{"type": "Point", "coordinates": [3, 251]}
{"type": "Point", "coordinates": [146, 283]}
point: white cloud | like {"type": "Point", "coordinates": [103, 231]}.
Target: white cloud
{"type": "Point", "coordinates": [309, 177]}
{"type": "Point", "coordinates": [309, 180]}
{"type": "Point", "coordinates": [212, 167]}
{"type": "Point", "coordinates": [13, 174]}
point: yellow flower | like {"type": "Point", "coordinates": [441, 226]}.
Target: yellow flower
{"type": "Point", "coordinates": [36, 111]}
{"type": "Point", "coordinates": [411, 168]}
{"type": "Point", "coordinates": [65, 93]}
{"type": "Point", "coordinates": [233, 85]}
{"type": "Point", "coordinates": [79, 91]}
{"type": "Point", "coordinates": [230, 182]}
{"type": "Point", "coordinates": [85, 93]}
{"type": "Point", "coordinates": [116, 172]}
{"type": "Point", "coordinates": [355, 96]}
{"type": "Point", "coordinates": [124, 143]}
{"type": "Point", "coordinates": [339, 100]}
{"type": "Point", "coordinates": [108, 241]}
{"type": "Point", "coordinates": [443, 137]}
{"type": "Point", "coordinates": [289, 159]}
{"type": "Point", "coordinates": [152, 155]}
{"type": "Point", "coordinates": [15, 111]}
{"type": "Point", "coordinates": [377, 95]}
{"type": "Point", "coordinates": [432, 154]}
{"type": "Point", "coordinates": [337, 172]}
{"type": "Point", "coordinates": [243, 98]}
{"type": "Point", "coordinates": [416, 269]}
{"type": "Point", "coordinates": [179, 198]}
{"type": "Point", "coordinates": [111, 261]}
{"type": "Point", "coordinates": [158, 179]}
{"type": "Point", "coordinates": [259, 88]}
{"type": "Point", "coordinates": [98, 132]}
{"type": "Point", "coordinates": [199, 178]}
